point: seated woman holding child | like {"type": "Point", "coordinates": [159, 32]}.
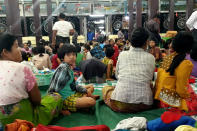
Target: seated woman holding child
{"type": "Point", "coordinates": [134, 72]}
{"type": "Point", "coordinates": [20, 97]}
{"type": "Point", "coordinates": [173, 76]}
{"type": "Point", "coordinates": [75, 96]}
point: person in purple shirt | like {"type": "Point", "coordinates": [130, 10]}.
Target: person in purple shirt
{"type": "Point", "coordinates": [193, 58]}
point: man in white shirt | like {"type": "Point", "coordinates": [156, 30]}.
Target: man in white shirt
{"type": "Point", "coordinates": [192, 24]}
{"type": "Point", "coordinates": [61, 31]}
{"type": "Point", "coordinates": [134, 71]}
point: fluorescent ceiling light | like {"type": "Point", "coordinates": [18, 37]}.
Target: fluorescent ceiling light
{"type": "Point", "coordinates": [126, 17]}
{"type": "Point", "coordinates": [101, 27]}
{"type": "Point", "coordinates": [99, 22]}
{"type": "Point", "coordinates": [97, 15]}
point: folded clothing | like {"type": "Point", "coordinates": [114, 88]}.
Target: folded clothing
{"type": "Point", "coordinates": [169, 121]}
{"type": "Point", "coordinates": [134, 123]}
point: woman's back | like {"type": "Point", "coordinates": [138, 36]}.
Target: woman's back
{"type": "Point", "coordinates": [174, 83]}
{"type": "Point", "coordinates": [15, 81]}
{"type": "Point", "coordinates": [42, 61]}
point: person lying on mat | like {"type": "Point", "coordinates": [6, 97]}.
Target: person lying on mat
{"type": "Point", "coordinates": [20, 97]}
{"type": "Point", "coordinates": [174, 73]}
{"type": "Point", "coordinates": [134, 71]}
{"type": "Point", "coordinates": [75, 96]}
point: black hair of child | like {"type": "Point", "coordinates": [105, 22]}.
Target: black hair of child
{"type": "Point", "coordinates": [24, 56]}
{"type": "Point", "coordinates": [87, 47]}
{"type": "Point", "coordinates": [109, 52]}
{"type": "Point", "coordinates": [65, 50]}
{"type": "Point", "coordinates": [40, 50]}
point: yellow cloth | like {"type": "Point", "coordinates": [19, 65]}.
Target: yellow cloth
{"type": "Point", "coordinates": [167, 61]}
{"type": "Point", "coordinates": [175, 85]}
{"type": "Point", "coordinates": [70, 102]}
{"type": "Point", "coordinates": [109, 63]}
{"type": "Point", "coordinates": [185, 128]}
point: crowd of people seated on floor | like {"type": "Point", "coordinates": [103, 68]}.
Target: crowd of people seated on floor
{"type": "Point", "coordinates": [132, 63]}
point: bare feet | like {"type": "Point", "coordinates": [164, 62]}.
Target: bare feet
{"type": "Point", "coordinates": [96, 97]}
{"type": "Point", "coordinates": [66, 112]}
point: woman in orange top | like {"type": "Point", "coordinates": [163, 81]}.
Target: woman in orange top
{"type": "Point", "coordinates": [174, 73]}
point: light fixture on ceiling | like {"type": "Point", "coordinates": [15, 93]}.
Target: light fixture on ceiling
{"type": "Point", "coordinates": [96, 16]}
{"type": "Point", "coordinates": [99, 22]}
{"type": "Point", "coordinates": [101, 27]}
{"type": "Point", "coordinates": [126, 17]}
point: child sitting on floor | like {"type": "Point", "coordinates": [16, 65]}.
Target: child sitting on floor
{"type": "Point", "coordinates": [109, 52]}
{"type": "Point", "coordinates": [74, 96]}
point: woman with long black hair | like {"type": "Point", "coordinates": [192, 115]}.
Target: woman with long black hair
{"type": "Point", "coordinates": [172, 80]}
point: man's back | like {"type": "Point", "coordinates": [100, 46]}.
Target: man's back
{"type": "Point", "coordinates": [63, 28]}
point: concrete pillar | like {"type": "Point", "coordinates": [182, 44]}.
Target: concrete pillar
{"type": "Point", "coordinates": [139, 13]}
{"type": "Point", "coordinates": [131, 22]}
{"type": "Point", "coordinates": [49, 19]}
{"type": "Point", "coordinates": [190, 7]}
{"type": "Point", "coordinates": [171, 15]}
{"type": "Point", "coordinates": [36, 11]}
{"type": "Point", "coordinates": [13, 18]}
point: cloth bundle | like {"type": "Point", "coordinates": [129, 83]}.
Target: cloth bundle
{"type": "Point", "coordinates": [134, 123]}
{"type": "Point", "coordinates": [169, 121]}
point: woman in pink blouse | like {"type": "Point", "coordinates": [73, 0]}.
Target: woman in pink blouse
{"type": "Point", "coordinates": [20, 97]}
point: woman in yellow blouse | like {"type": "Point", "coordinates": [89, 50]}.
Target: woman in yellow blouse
{"type": "Point", "coordinates": [174, 73]}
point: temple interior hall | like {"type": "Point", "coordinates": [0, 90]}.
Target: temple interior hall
{"type": "Point", "coordinates": [98, 65]}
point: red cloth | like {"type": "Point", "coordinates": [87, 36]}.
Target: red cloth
{"type": "Point", "coordinates": [191, 104]}
{"type": "Point", "coordinates": [54, 62]}
{"type": "Point", "coordinates": [192, 80]}
{"type": "Point", "coordinates": [116, 54]}
{"type": "Point", "coordinates": [169, 116]}
{"type": "Point", "coordinates": [80, 128]}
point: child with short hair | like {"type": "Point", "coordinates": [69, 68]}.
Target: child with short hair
{"type": "Point", "coordinates": [154, 50]}
{"type": "Point", "coordinates": [87, 53]}
{"type": "Point", "coordinates": [109, 52]}
{"type": "Point", "coordinates": [75, 96]}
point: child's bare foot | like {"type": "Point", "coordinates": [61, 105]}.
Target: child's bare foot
{"type": "Point", "coordinates": [96, 97]}
{"type": "Point", "coordinates": [66, 112]}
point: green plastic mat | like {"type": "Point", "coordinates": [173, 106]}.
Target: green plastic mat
{"type": "Point", "coordinates": [100, 114]}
